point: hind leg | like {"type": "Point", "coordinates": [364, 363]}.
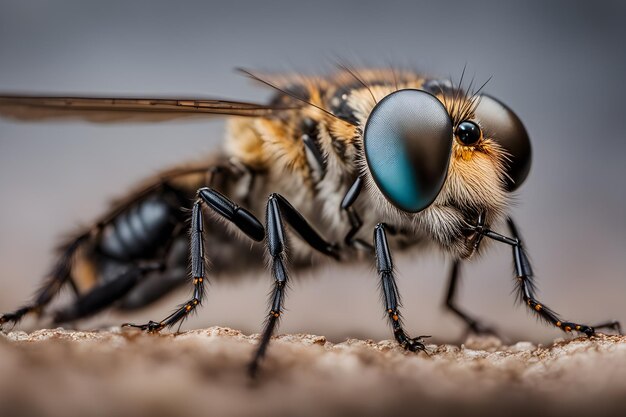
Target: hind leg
{"type": "Point", "coordinates": [239, 217]}
{"type": "Point", "coordinates": [153, 288]}
{"type": "Point", "coordinates": [102, 296]}
{"type": "Point", "coordinates": [57, 278]}
{"type": "Point", "coordinates": [166, 184]}
{"type": "Point", "coordinates": [157, 284]}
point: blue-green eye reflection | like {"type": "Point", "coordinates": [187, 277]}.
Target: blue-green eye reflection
{"type": "Point", "coordinates": [407, 139]}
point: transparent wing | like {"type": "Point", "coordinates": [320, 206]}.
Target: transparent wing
{"type": "Point", "coordinates": [103, 110]}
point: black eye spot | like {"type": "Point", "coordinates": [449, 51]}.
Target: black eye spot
{"type": "Point", "coordinates": [468, 133]}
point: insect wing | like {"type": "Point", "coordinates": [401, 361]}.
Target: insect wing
{"type": "Point", "coordinates": [100, 109]}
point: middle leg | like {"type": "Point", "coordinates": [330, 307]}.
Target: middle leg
{"type": "Point", "coordinates": [278, 208]}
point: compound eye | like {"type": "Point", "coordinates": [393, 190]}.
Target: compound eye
{"type": "Point", "coordinates": [468, 133]}
{"type": "Point", "coordinates": [500, 123]}
{"type": "Point", "coordinates": [407, 141]}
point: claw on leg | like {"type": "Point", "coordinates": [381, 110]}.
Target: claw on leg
{"type": "Point", "coordinates": [150, 327]}
{"type": "Point", "coordinates": [526, 286]}
{"type": "Point", "coordinates": [480, 329]}
{"type": "Point", "coordinates": [391, 297]}
{"type": "Point", "coordinates": [415, 344]}
{"type": "Point", "coordinates": [613, 325]}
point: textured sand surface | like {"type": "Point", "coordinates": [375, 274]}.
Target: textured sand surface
{"type": "Point", "coordinates": [202, 372]}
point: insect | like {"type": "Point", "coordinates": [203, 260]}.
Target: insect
{"type": "Point", "coordinates": [347, 167]}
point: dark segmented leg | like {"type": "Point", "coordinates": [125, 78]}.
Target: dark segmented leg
{"type": "Point", "coordinates": [384, 265]}
{"type": "Point", "coordinates": [238, 216]}
{"type": "Point", "coordinates": [102, 296]}
{"type": "Point", "coordinates": [526, 287]}
{"type": "Point", "coordinates": [473, 324]}
{"type": "Point", "coordinates": [353, 217]}
{"type": "Point", "coordinates": [156, 286]}
{"type": "Point", "coordinates": [54, 282]}
{"type": "Point", "coordinates": [278, 208]}
{"type": "Point", "coordinates": [60, 273]}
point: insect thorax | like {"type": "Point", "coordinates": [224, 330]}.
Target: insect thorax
{"type": "Point", "coordinates": [312, 159]}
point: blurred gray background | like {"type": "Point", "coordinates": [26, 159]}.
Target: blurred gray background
{"type": "Point", "coordinates": [560, 65]}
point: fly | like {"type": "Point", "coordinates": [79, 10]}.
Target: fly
{"type": "Point", "coordinates": [351, 166]}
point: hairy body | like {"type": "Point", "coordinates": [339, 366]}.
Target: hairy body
{"type": "Point", "coordinates": [300, 161]}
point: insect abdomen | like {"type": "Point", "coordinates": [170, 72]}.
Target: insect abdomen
{"type": "Point", "coordinates": [140, 231]}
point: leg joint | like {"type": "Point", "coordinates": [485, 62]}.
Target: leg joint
{"type": "Point", "coordinates": [203, 189]}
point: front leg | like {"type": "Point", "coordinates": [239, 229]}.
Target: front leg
{"type": "Point", "coordinates": [526, 286]}
{"type": "Point", "coordinates": [384, 265]}
{"type": "Point", "coordinates": [473, 324]}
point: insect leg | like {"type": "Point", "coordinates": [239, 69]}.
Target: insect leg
{"type": "Point", "coordinates": [526, 286]}
{"type": "Point", "coordinates": [60, 273]}
{"type": "Point", "coordinates": [278, 208]}
{"type": "Point", "coordinates": [54, 282]}
{"type": "Point", "coordinates": [153, 288]}
{"type": "Point", "coordinates": [103, 295]}
{"type": "Point", "coordinates": [240, 217]}
{"type": "Point", "coordinates": [473, 324]}
{"type": "Point", "coordinates": [384, 265]}
{"type": "Point", "coordinates": [353, 217]}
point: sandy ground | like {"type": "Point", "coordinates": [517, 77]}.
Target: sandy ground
{"type": "Point", "coordinates": [202, 372]}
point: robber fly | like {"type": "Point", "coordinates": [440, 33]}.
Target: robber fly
{"type": "Point", "coordinates": [345, 167]}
